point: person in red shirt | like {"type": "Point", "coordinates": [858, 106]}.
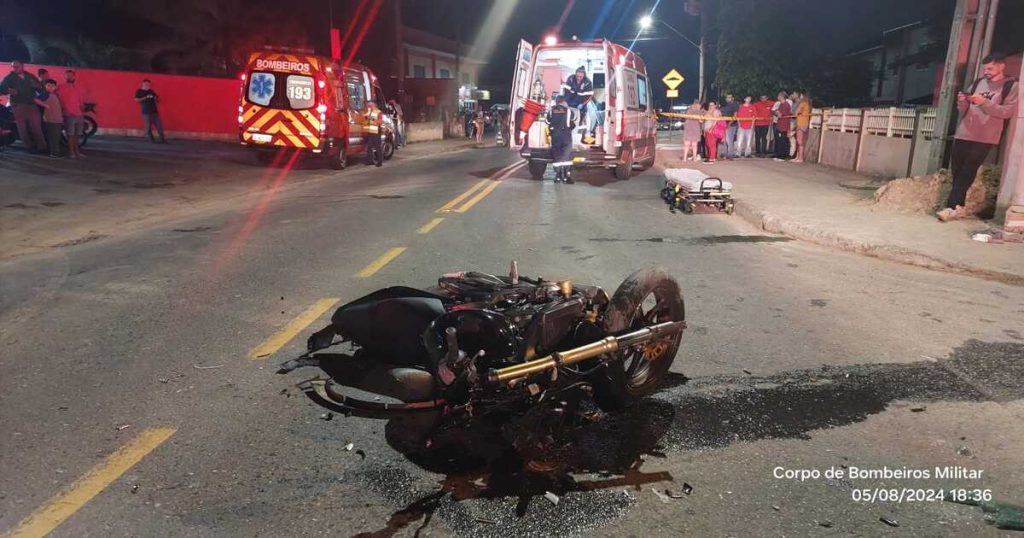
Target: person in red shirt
{"type": "Point", "coordinates": [745, 138]}
{"type": "Point", "coordinates": [762, 124]}
{"type": "Point", "coordinates": [74, 118]}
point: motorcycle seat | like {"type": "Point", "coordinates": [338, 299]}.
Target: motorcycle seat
{"type": "Point", "coordinates": [390, 328]}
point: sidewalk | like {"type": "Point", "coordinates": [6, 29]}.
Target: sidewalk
{"type": "Point", "coordinates": [124, 184]}
{"type": "Point", "coordinates": [806, 202]}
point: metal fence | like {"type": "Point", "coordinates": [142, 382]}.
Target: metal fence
{"type": "Point", "coordinates": [891, 122]}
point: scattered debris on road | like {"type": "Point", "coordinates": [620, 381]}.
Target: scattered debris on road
{"type": "Point", "coordinates": [361, 454]}
{"type": "Point", "coordinates": [123, 427]}
{"type": "Point", "coordinates": [963, 451]}
{"type": "Point", "coordinates": [135, 488]}
{"type": "Point", "coordinates": [552, 498]}
{"type": "Point", "coordinates": [664, 498]}
{"type": "Point", "coordinates": [211, 367]}
{"type": "Point", "coordinates": [917, 409]}
{"type": "Point", "coordinates": [675, 494]}
{"type": "Point", "coordinates": [349, 447]}
{"type": "Point", "coordinates": [776, 507]}
{"type": "Point", "coordinates": [327, 416]}
{"type": "Point", "coordinates": [487, 521]}
{"type": "Point", "coordinates": [826, 523]}
{"type": "Point", "coordinates": [889, 521]}
{"type": "Point", "coordinates": [687, 488]}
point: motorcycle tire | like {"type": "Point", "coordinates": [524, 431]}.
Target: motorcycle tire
{"type": "Point", "coordinates": [389, 148]}
{"type": "Point", "coordinates": [90, 127]}
{"type": "Point", "coordinates": [646, 297]}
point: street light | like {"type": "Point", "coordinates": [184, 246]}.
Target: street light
{"type": "Point", "coordinates": [551, 40]}
{"type": "Point", "coordinates": [647, 21]}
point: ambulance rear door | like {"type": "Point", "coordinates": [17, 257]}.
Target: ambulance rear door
{"type": "Point", "coordinates": [610, 98]}
{"type": "Point", "coordinates": [520, 89]}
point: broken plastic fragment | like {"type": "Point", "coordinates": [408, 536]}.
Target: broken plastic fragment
{"type": "Point", "coordinates": [889, 522]}
{"type": "Point", "coordinates": [664, 498]}
{"type": "Point", "coordinates": [551, 497]}
{"type": "Point", "coordinates": [327, 416]}
{"type": "Point", "coordinates": [350, 446]}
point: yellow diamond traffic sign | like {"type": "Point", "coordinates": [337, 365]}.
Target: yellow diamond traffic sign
{"type": "Point", "coordinates": [673, 79]}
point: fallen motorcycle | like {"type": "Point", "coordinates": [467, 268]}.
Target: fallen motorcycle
{"type": "Point", "coordinates": [486, 345]}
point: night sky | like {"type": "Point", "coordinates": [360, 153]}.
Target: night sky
{"type": "Point", "coordinates": [831, 26]}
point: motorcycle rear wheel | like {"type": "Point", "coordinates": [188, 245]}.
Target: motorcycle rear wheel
{"type": "Point", "coordinates": [646, 297]}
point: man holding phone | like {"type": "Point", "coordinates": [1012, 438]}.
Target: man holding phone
{"type": "Point", "coordinates": [984, 109]}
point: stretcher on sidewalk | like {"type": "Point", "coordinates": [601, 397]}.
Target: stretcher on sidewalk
{"type": "Point", "coordinates": [686, 187]}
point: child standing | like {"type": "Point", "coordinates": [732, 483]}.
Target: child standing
{"type": "Point", "coordinates": [53, 117]}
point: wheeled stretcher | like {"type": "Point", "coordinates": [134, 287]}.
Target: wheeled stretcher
{"type": "Point", "coordinates": [686, 187]}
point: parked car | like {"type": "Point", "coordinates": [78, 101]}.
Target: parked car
{"type": "Point", "coordinates": [292, 99]}
{"type": "Point", "coordinates": [665, 124]}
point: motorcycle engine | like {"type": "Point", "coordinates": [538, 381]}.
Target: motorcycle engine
{"type": "Point", "coordinates": [485, 338]}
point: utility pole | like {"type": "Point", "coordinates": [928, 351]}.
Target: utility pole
{"type": "Point", "coordinates": [703, 40]}
{"type": "Point", "coordinates": [399, 53]}
{"type": "Point", "coordinates": [701, 77]}
{"type": "Point", "coordinates": [947, 93]}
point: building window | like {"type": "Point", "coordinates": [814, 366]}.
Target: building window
{"type": "Point", "coordinates": [418, 71]}
{"type": "Point", "coordinates": [465, 78]}
{"type": "Point", "coordinates": [446, 73]}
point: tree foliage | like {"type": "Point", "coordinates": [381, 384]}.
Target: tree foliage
{"type": "Point", "coordinates": [765, 47]}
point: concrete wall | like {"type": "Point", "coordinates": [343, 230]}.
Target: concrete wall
{"type": "Point", "coordinates": [885, 156]}
{"type": "Point", "coordinates": [881, 156]}
{"type": "Point", "coordinates": [190, 107]}
{"type": "Point", "coordinates": [840, 149]}
{"type": "Point", "coordinates": [422, 132]}
{"type": "Point", "coordinates": [813, 139]}
{"type": "Point", "coordinates": [921, 151]}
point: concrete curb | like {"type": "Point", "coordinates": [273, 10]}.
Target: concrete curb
{"type": "Point", "coordinates": [773, 223]}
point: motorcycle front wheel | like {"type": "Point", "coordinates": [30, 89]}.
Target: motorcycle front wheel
{"type": "Point", "coordinates": [646, 297]}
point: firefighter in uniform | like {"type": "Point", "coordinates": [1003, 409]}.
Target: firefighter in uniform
{"type": "Point", "coordinates": [374, 121]}
{"type": "Point", "coordinates": [579, 92]}
{"type": "Point", "coordinates": [562, 121]}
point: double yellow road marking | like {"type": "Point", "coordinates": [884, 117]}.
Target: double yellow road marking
{"type": "Point", "coordinates": [63, 505]}
{"type": "Point", "coordinates": [479, 191]}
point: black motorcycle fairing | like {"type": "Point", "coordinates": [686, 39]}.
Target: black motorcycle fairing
{"type": "Point", "coordinates": [389, 328]}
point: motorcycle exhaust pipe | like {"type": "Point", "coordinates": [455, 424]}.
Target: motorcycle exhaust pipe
{"type": "Point", "coordinates": [609, 344]}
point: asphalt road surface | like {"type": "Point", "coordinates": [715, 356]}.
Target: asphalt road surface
{"type": "Point", "coordinates": [131, 404]}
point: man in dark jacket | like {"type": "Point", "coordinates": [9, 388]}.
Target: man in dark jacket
{"type": "Point", "coordinates": [732, 106]}
{"type": "Point", "coordinates": [22, 87]}
{"type": "Point", "coordinates": [579, 92]}
{"type": "Point", "coordinates": [562, 121]}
